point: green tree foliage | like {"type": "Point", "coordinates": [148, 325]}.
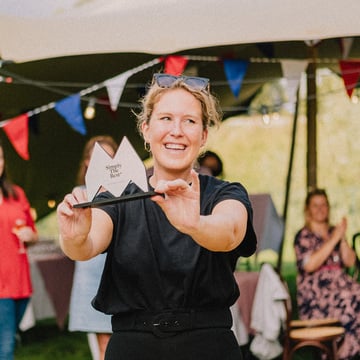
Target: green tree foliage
{"type": "Point", "coordinates": [257, 154]}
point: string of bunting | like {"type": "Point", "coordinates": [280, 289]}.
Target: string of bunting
{"type": "Point", "coordinates": [235, 70]}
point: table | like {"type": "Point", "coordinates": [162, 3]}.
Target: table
{"type": "Point", "coordinates": [52, 276]}
{"type": "Point", "coordinates": [241, 310]}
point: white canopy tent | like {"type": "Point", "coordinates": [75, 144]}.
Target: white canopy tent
{"type": "Point", "coordinates": [33, 30]}
{"type": "Point", "coordinates": [74, 42]}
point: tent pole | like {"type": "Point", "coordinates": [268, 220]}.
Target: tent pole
{"type": "Point", "coordinates": [311, 120]}
{"type": "Point", "coordinates": [288, 181]}
{"type": "Point", "coordinates": [311, 141]}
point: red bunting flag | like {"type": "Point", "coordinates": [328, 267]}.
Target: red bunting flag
{"type": "Point", "coordinates": [350, 72]}
{"type": "Point", "coordinates": [17, 130]}
{"type": "Point", "coordinates": [175, 64]}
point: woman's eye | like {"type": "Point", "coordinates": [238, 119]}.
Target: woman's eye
{"type": "Point", "coordinates": [190, 121]}
{"type": "Point", "coordinates": [165, 118]}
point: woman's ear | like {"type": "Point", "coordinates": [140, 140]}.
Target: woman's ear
{"type": "Point", "coordinates": [144, 130]}
{"type": "Point", "coordinates": [204, 137]}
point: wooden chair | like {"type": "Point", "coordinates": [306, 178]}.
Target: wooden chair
{"type": "Point", "coordinates": [295, 324]}
{"type": "Point", "coordinates": [321, 334]}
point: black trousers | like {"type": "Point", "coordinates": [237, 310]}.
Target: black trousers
{"type": "Point", "coordinates": [199, 344]}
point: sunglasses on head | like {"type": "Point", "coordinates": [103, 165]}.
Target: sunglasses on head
{"type": "Point", "coordinates": [196, 83]}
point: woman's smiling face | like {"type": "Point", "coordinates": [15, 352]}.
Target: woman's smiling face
{"type": "Point", "coordinates": [175, 131]}
{"type": "Point", "coordinates": [318, 209]}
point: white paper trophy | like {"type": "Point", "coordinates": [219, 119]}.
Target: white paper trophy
{"type": "Point", "coordinates": [114, 174]}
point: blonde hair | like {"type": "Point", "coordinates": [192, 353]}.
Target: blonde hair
{"type": "Point", "coordinates": [211, 111]}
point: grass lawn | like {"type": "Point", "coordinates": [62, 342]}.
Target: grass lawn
{"type": "Point", "coordinates": [45, 341]}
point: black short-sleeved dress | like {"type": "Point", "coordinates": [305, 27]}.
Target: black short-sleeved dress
{"type": "Point", "coordinates": [152, 267]}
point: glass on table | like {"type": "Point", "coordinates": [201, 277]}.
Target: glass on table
{"type": "Point", "coordinates": [19, 224]}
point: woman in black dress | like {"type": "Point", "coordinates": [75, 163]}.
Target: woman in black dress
{"type": "Point", "coordinates": [168, 278]}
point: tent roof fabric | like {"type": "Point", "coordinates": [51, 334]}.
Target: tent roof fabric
{"type": "Point", "coordinates": [32, 30]}
{"type": "Point", "coordinates": [73, 42]}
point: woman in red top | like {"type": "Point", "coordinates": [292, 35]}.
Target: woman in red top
{"type": "Point", "coordinates": [17, 229]}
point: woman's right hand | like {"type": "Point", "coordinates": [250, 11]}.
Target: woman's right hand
{"type": "Point", "coordinates": [318, 257]}
{"type": "Point", "coordinates": [84, 232]}
{"type": "Point", "coordinates": [74, 223]}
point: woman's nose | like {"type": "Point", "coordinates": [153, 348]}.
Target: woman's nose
{"type": "Point", "coordinates": [176, 128]}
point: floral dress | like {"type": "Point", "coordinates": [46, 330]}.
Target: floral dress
{"type": "Point", "coordinates": [328, 291]}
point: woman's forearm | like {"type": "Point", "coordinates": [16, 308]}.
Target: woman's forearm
{"type": "Point", "coordinates": [348, 255]}
{"type": "Point", "coordinates": [223, 230]}
{"type": "Point", "coordinates": [318, 257]}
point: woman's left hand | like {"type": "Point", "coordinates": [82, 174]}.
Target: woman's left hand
{"type": "Point", "coordinates": [181, 202]}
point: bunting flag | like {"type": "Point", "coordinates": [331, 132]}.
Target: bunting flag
{"type": "Point", "coordinates": [235, 71]}
{"type": "Point", "coordinates": [350, 72]}
{"type": "Point", "coordinates": [267, 49]}
{"type": "Point", "coordinates": [345, 46]}
{"type": "Point", "coordinates": [292, 70]}
{"type": "Point", "coordinates": [313, 42]}
{"type": "Point", "coordinates": [175, 64]}
{"type": "Point", "coordinates": [34, 124]}
{"type": "Point", "coordinates": [17, 130]}
{"type": "Point", "coordinates": [70, 109]}
{"type": "Point", "coordinates": [115, 87]}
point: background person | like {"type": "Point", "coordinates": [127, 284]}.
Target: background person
{"type": "Point", "coordinates": [324, 289]}
{"type": "Point", "coordinates": [168, 278]}
{"type": "Point", "coordinates": [212, 162]}
{"type": "Point", "coordinates": [17, 230]}
{"type": "Point", "coordinates": [87, 274]}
